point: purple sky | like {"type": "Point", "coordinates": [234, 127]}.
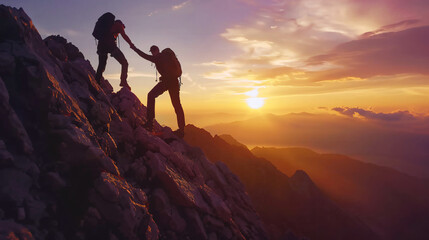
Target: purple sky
{"type": "Point", "coordinates": [297, 55]}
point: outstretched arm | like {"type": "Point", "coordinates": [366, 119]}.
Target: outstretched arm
{"type": "Point", "coordinates": [127, 39]}
{"type": "Point", "coordinates": [143, 55]}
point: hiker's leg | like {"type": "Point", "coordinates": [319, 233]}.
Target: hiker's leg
{"type": "Point", "coordinates": [102, 61]}
{"type": "Point", "coordinates": [118, 55]}
{"type": "Point", "coordinates": [154, 93]}
{"type": "Point", "coordinates": [175, 100]}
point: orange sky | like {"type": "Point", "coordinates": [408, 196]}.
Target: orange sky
{"type": "Point", "coordinates": [299, 55]}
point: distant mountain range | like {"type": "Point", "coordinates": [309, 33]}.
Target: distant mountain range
{"type": "Point", "coordinates": [401, 145]}
{"type": "Point", "coordinates": [284, 203]}
{"type": "Point", "coordinates": [393, 204]}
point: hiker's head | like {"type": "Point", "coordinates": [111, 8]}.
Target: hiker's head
{"type": "Point", "coordinates": [120, 22]}
{"type": "Point", "coordinates": [154, 50]}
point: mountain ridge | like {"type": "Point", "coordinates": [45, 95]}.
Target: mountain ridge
{"type": "Point", "coordinates": [383, 197]}
{"type": "Point", "coordinates": [76, 163]}
{"type": "Point", "coordinates": [285, 203]}
{"type": "Point", "coordinates": [398, 148]}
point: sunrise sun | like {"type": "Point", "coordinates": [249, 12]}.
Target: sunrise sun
{"type": "Point", "coordinates": [255, 102]}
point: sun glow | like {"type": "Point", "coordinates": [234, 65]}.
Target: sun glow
{"type": "Point", "coordinates": [255, 102]}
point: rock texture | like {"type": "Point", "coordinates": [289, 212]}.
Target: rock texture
{"type": "Point", "coordinates": [76, 163]}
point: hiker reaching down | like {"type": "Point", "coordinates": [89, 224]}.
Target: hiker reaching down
{"type": "Point", "coordinates": [106, 31]}
{"type": "Point", "coordinates": [169, 68]}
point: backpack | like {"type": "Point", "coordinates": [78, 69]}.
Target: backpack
{"type": "Point", "coordinates": [170, 64]}
{"type": "Point", "coordinates": [103, 25]}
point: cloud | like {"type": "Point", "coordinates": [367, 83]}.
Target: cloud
{"type": "Point", "coordinates": [71, 33]}
{"type": "Point", "coordinates": [180, 6]}
{"type": "Point", "coordinates": [392, 27]}
{"type": "Point", "coordinates": [153, 13]}
{"type": "Point", "coordinates": [391, 53]}
{"type": "Point", "coordinates": [312, 47]}
{"type": "Point", "coordinates": [214, 63]}
{"type": "Point", "coordinates": [187, 78]}
{"type": "Point", "coordinates": [367, 114]}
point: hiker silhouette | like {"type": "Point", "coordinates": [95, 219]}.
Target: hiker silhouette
{"type": "Point", "coordinates": [106, 31]}
{"type": "Point", "coordinates": [169, 68]}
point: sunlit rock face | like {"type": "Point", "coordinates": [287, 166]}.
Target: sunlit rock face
{"type": "Point", "coordinates": [76, 163]}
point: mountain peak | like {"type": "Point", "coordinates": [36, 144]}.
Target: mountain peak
{"type": "Point", "coordinates": [76, 161]}
{"type": "Point", "coordinates": [231, 140]}
{"type": "Point", "coordinates": [302, 182]}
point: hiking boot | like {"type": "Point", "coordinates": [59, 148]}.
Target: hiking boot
{"type": "Point", "coordinates": [179, 132]}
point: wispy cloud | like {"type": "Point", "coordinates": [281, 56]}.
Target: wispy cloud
{"type": "Point", "coordinates": [368, 114]}
{"type": "Point", "coordinates": [153, 13]}
{"type": "Point", "coordinates": [298, 43]}
{"type": "Point", "coordinates": [393, 53]}
{"type": "Point", "coordinates": [71, 33]}
{"type": "Point", "coordinates": [400, 120]}
{"type": "Point", "coordinates": [181, 5]}
{"type": "Point", "coordinates": [393, 27]}
{"type": "Point", "coordinates": [186, 78]}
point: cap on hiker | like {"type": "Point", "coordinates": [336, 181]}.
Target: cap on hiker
{"type": "Point", "coordinates": [154, 48]}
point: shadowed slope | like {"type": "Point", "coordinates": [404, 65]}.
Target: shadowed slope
{"type": "Point", "coordinates": [394, 204]}
{"type": "Point", "coordinates": [284, 203]}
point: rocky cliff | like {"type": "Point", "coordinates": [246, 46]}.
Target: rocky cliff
{"type": "Point", "coordinates": [76, 163]}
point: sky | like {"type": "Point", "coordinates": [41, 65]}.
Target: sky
{"type": "Point", "coordinates": [279, 56]}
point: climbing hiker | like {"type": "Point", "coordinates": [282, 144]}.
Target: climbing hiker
{"type": "Point", "coordinates": [169, 68]}
{"type": "Point", "coordinates": [106, 31]}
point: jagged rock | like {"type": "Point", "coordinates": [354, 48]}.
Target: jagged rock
{"type": "Point", "coordinates": [138, 171]}
{"type": "Point", "coordinates": [216, 203]}
{"type": "Point", "coordinates": [35, 209]}
{"type": "Point", "coordinates": [212, 222]}
{"type": "Point", "coordinates": [82, 165]}
{"type": "Point", "coordinates": [61, 49]}
{"type": "Point", "coordinates": [53, 181]}
{"type": "Point", "coordinates": [183, 192]}
{"type": "Point", "coordinates": [73, 52]}
{"type": "Point", "coordinates": [108, 144]}
{"type": "Point", "coordinates": [56, 45]}
{"type": "Point", "coordinates": [196, 224]}
{"type": "Point", "coordinates": [92, 217]}
{"type": "Point", "coordinates": [6, 157]}
{"type": "Point", "coordinates": [14, 186]}
{"type": "Point", "coordinates": [121, 205]}
{"type": "Point", "coordinates": [27, 165]}
{"type": "Point", "coordinates": [11, 125]}
{"type": "Point", "coordinates": [168, 214]}
{"type": "Point", "coordinates": [290, 236]}
{"type": "Point", "coordinates": [212, 236]}
{"type": "Point", "coordinates": [101, 113]}
{"type": "Point", "coordinates": [11, 230]}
